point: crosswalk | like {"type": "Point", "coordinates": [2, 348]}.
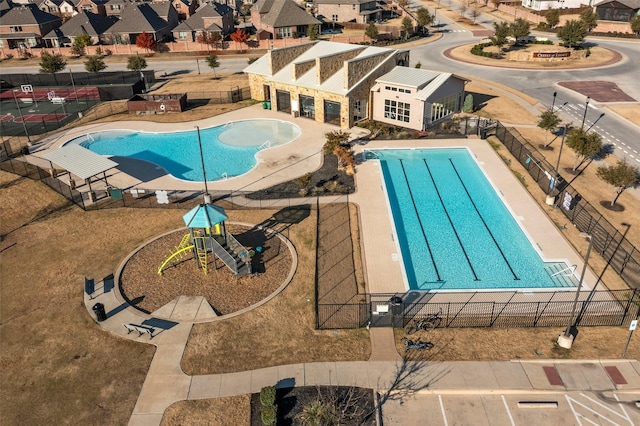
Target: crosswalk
{"type": "Point", "coordinates": [577, 112]}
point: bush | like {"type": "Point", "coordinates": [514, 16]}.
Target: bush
{"type": "Point", "coordinates": [478, 50]}
{"type": "Point", "coordinates": [268, 396]}
{"type": "Point", "coordinates": [268, 415]}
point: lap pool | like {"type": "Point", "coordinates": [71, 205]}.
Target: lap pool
{"type": "Point", "coordinates": [229, 150]}
{"type": "Point", "coordinates": [453, 229]}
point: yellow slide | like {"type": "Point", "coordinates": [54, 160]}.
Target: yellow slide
{"type": "Point", "coordinates": [168, 259]}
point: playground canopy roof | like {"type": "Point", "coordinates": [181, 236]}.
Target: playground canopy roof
{"type": "Point", "coordinates": [204, 216]}
{"type": "Point", "coordinates": [80, 161]}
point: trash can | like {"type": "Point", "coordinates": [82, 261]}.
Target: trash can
{"type": "Point", "coordinates": [264, 105]}
{"type": "Point", "coordinates": [483, 133]}
{"type": "Point", "coordinates": [268, 104]}
{"type": "Point", "coordinates": [101, 315]}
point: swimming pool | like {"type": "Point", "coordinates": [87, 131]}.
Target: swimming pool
{"type": "Point", "coordinates": [229, 150]}
{"type": "Point", "coordinates": [454, 231]}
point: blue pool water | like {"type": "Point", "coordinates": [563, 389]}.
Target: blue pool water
{"type": "Point", "coordinates": [229, 150]}
{"type": "Point", "coordinates": [454, 231]}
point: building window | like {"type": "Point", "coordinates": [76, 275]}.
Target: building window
{"type": "Point", "coordinates": [308, 106]}
{"type": "Point", "coordinates": [353, 7]}
{"type": "Point", "coordinates": [16, 29]}
{"type": "Point", "coordinates": [359, 109]}
{"type": "Point", "coordinates": [396, 110]}
{"type": "Point", "coordinates": [334, 18]}
{"type": "Point", "coordinates": [332, 112]}
{"type": "Point", "coordinates": [443, 108]}
{"type": "Point", "coordinates": [284, 32]}
{"type": "Point", "coordinates": [115, 7]}
{"type": "Point", "coordinates": [182, 35]}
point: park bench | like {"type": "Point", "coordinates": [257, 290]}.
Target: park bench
{"type": "Point", "coordinates": [141, 329]}
{"type": "Point", "coordinates": [26, 100]}
{"type": "Point", "coordinates": [58, 100]}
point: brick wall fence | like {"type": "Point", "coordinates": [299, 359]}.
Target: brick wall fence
{"type": "Point", "coordinates": [185, 46]}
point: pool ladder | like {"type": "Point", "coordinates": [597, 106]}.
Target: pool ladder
{"type": "Point", "coordinates": [90, 138]}
{"type": "Point", "coordinates": [370, 155]}
{"type": "Point", "coordinates": [265, 145]}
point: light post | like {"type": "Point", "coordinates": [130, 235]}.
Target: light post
{"type": "Point", "coordinates": [584, 116]}
{"type": "Point", "coordinates": [564, 132]}
{"type": "Point", "coordinates": [553, 104]}
{"type": "Point", "coordinates": [207, 198]}
{"type": "Point", "coordinates": [566, 340]}
{"type": "Point", "coordinates": [24, 125]}
{"type": "Point", "coordinates": [594, 123]}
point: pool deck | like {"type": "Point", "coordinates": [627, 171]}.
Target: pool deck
{"type": "Point", "coordinates": [381, 252]}
{"type": "Point", "coordinates": [275, 165]}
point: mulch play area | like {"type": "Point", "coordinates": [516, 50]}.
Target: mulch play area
{"type": "Point", "coordinates": [148, 291]}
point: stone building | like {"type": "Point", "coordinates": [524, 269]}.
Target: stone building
{"type": "Point", "coordinates": [416, 98]}
{"type": "Point", "coordinates": [360, 11]}
{"type": "Point", "coordinates": [323, 81]}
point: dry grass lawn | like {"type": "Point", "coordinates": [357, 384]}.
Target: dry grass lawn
{"type": "Point", "coordinates": [57, 365]}
{"type": "Point", "coordinates": [493, 104]}
{"type": "Point", "coordinates": [230, 411]}
{"type": "Point", "coordinates": [280, 332]}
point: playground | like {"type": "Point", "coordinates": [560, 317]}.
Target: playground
{"type": "Point", "coordinates": [215, 259]}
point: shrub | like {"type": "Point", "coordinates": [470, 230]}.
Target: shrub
{"type": "Point", "coordinates": [478, 50]}
{"type": "Point", "coordinates": [468, 103]}
{"type": "Point", "coordinates": [268, 396]}
{"type": "Point", "coordinates": [268, 415]}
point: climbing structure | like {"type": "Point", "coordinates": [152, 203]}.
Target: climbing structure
{"type": "Point", "coordinates": [208, 234]}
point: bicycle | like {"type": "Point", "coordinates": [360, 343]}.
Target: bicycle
{"type": "Point", "coordinates": [427, 323]}
{"type": "Point", "coordinates": [418, 345]}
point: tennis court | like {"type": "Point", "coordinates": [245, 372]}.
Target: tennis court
{"type": "Point", "coordinates": [37, 118]}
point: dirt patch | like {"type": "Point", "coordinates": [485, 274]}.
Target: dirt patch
{"type": "Point", "coordinates": [206, 82]}
{"type": "Point", "coordinates": [226, 293]}
{"type": "Point", "coordinates": [629, 112]}
{"type": "Point", "coordinates": [601, 91]}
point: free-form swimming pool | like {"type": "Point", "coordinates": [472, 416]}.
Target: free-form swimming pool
{"type": "Point", "coordinates": [454, 231]}
{"type": "Point", "coordinates": [229, 150]}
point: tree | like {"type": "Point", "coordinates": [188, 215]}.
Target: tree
{"type": "Point", "coordinates": [553, 17]}
{"type": "Point", "coordinates": [500, 33]}
{"type": "Point", "coordinates": [621, 176]}
{"type": "Point", "coordinates": [210, 38]}
{"type": "Point", "coordinates": [407, 26]}
{"type": "Point", "coordinates": [585, 145]}
{"type": "Point", "coordinates": [51, 64]}
{"type": "Point", "coordinates": [313, 32]}
{"type": "Point", "coordinates": [424, 17]}
{"type": "Point", "coordinates": [83, 40]}
{"type": "Point", "coordinates": [572, 33]}
{"type": "Point", "coordinates": [463, 9]}
{"type": "Point", "coordinates": [146, 41]}
{"type": "Point", "coordinates": [136, 63]}
{"type": "Point", "coordinates": [371, 31]}
{"type": "Point", "coordinates": [468, 103]}
{"type": "Point", "coordinates": [589, 19]}
{"type": "Point", "coordinates": [475, 12]}
{"type": "Point", "coordinates": [549, 121]}
{"type": "Point", "coordinates": [212, 61]}
{"type": "Point", "coordinates": [520, 29]}
{"type": "Point", "coordinates": [239, 36]}
{"type": "Point", "coordinates": [94, 63]}
{"type": "Point", "coordinates": [635, 24]}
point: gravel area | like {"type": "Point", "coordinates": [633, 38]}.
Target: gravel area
{"type": "Point", "coordinates": [145, 289]}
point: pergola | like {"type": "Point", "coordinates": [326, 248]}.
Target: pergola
{"type": "Point", "coordinates": [80, 162]}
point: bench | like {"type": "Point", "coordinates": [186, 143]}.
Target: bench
{"type": "Point", "coordinates": [26, 100]}
{"type": "Point", "coordinates": [141, 329]}
{"type": "Point", "coordinates": [58, 100]}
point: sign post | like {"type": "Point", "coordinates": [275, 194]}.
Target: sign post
{"type": "Point", "coordinates": [28, 88]}
{"type": "Point", "coordinates": [632, 327]}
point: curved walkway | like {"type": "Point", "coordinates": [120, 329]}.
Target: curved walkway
{"type": "Point", "coordinates": [385, 372]}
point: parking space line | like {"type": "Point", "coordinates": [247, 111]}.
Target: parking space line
{"type": "Point", "coordinates": [600, 416]}
{"type": "Point", "coordinates": [444, 415]}
{"type": "Point", "coordinates": [506, 407]}
{"type": "Point", "coordinates": [606, 408]}
{"type": "Point", "coordinates": [615, 395]}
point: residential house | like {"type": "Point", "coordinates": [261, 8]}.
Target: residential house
{"type": "Point", "coordinates": [280, 19]}
{"type": "Point", "coordinates": [115, 7]}
{"type": "Point", "coordinates": [94, 6]}
{"type": "Point", "coordinates": [555, 4]}
{"type": "Point", "coordinates": [618, 10]}
{"type": "Point", "coordinates": [24, 26]}
{"type": "Point", "coordinates": [157, 19]}
{"type": "Point", "coordinates": [360, 11]}
{"type": "Point", "coordinates": [212, 17]}
{"type": "Point", "coordinates": [67, 8]}
{"type": "Point", "coordinates": [185, 8]}
{"type": "Point", "coordinates": [323, 81]}
{"type": "Point", "coordinates": [416, 98]}
{"type": "Point", "coordinates": [49, 6]}
{"type": "Point", "coordinates": [83, 23]}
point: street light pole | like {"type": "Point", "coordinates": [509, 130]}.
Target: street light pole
{"type": "Point", "coordinates": [24, 125]}
{"type": "Point", "coordinates": [565, 340]}
{"type": "Point", "coordinates": [207, 198]}
{"type": "Point", "coordinates": [564, 132]}
{"type": "Point", "coordinates": [553, 104]}
{"type": "Point", "coordinates": [584, 116]}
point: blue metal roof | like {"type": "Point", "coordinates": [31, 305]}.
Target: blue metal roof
{"type": "Point", "coordinates": [204, 216]}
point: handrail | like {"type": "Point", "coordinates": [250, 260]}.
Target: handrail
{"type": "Point", "coordinates": [265, 145]}
{"type": "Point", "coordinates": [571, 268]}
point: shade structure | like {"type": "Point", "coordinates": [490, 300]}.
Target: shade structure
{"type": "Point", "coordinates": [80, 161]}
{"type": "Point", "coordinates": [204, 216]}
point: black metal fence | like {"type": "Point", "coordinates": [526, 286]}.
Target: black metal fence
{"type": "Point", "coordinates": [507, 309]}
{"type": "Point", "coordinates": [79, 79]}
{"type": "Point", "coordinates": [608, 241]}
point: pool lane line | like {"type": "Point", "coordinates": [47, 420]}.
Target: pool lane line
{"type": "Point", "coordinates": [415, 208]}
{"type": "Point", "coordinates": [504, 257]}
{"type": "Point", "coordinates": [446, 212]}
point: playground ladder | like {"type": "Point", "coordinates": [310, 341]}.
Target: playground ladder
{"type": "Point", "coordinates": [201, 251]}
{"type": "Point", "coordinates": [179, 253]}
